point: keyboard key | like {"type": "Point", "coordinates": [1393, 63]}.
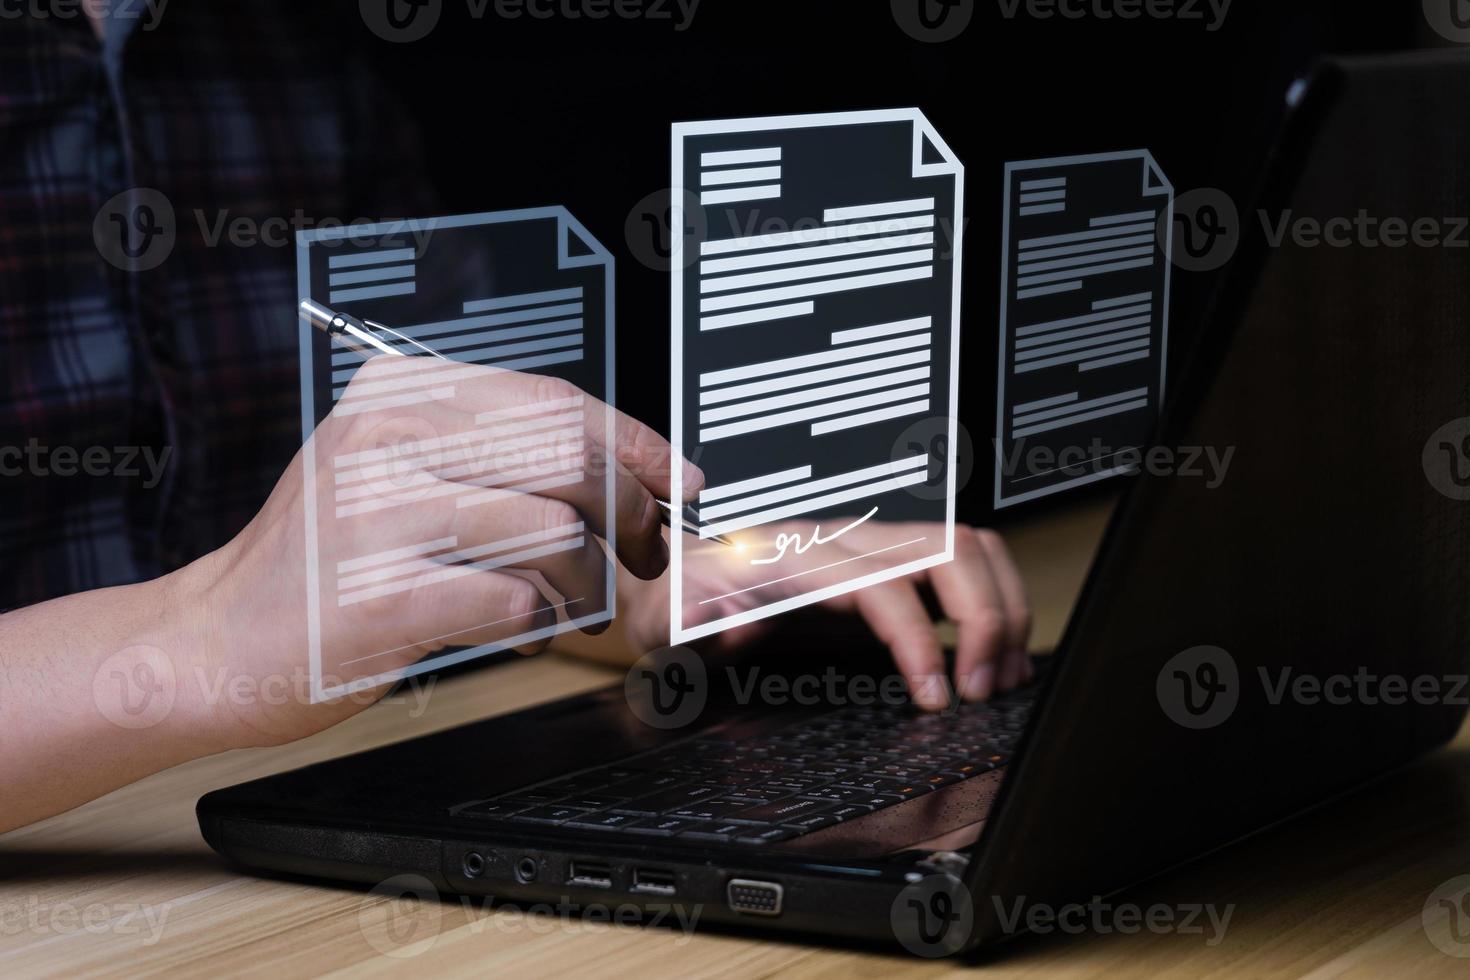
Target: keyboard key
{"type": "Point", "coordinates": [811, 821]}
{"type": "Point", "coordinates": [592, 802]}
{"type": "Point", "coordinates": [491, 810]}
{"type": "Point", "coordinates": [822, 772]}
{"type": "Point", "coordinates": [838, 794]}
{"type": "Point", "coordinates": [711, 809]}
{"type": "Point", "coordinates": [770, 835]}
{"type": "Point", "coordinates": [894, 771]}
{"type": "Point", "coordinates": [784, 811]}
{"type": "Point", "coordinates": [941, 779]}
{"type": "Point", "coordinates": [603, 821]}
{"type": "Point", "coordinates": [668, 800]}
{"type": "Point", "coordinates": [549, 814]}
{"type": "Point", "coordinates": [643, 785]}
{"type": "Point", "coordinates": [526, 797]}
{"type": "Point", "coordinates": [716, 832]}
{"type": "Point", "coordinates": [661, 826]}
{"type": "Point", "coordinates": [850, 811]}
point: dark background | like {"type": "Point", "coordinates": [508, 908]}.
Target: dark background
{"type": "Point", "coordinates": [525, 112]}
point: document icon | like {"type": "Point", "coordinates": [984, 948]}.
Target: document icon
{"type": "Point", "coordinates": [433, 485]}
{"type": "Point", "coordinates": [1084, 320]}
{"type": "Point", "coordinates": [815, 308]}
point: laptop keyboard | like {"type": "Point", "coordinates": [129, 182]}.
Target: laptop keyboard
{"type": "Point", "coordinates": [779, 784]}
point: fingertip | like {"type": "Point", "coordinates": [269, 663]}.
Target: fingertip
{"type": "Point", "coordinates": [979, 684]}
{"type": "Point", "coordinates": [929, 691]}
{"type": "Point", "coordinates": [694, 481]}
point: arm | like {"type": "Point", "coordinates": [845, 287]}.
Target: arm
{"type": "Point", "coordinates": [102, 688]}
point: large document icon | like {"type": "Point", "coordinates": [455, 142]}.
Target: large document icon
{"type": "Point", "coordinates": [816, 319]}
{"type": "Point", "coordinates": [1084, 319]}
{"type": "Point", "coordinates": [439, 488]}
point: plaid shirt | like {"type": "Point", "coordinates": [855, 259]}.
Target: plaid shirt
{"type": "Point", "coordinates": [150, 406]}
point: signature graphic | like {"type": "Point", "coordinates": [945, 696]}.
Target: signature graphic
{"type": "Point", "coordinates": [785, 542]}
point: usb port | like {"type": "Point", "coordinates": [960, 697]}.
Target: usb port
{"type": "Point", "coordinates": [651, 881]}
{"type": "Point", "coordinates": [589, 875]}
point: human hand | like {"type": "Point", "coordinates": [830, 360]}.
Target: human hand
{"type": "Point", "coordinates": [981, 591]}
{"type": "Point", "coordinates": [483, 538]}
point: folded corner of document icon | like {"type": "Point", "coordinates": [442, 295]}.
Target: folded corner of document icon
{"type": "Point", "coordinates": [816, 319]}
{"type": "Point", "coordinates": [1084, 320]}
{"type": "Point", "coordinates": [524, 291]}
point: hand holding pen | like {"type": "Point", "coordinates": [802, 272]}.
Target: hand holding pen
{"type": "Point", "coordinates": [370, 338]}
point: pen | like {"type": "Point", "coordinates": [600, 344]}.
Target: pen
{"type": "Point", "coordinates": [367, 337]}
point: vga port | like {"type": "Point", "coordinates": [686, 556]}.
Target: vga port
{"type": "Point", "coordinates": [754, 897]}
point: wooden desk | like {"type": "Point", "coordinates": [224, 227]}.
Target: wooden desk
{"type": "Point", "coordinates": [126, 884]}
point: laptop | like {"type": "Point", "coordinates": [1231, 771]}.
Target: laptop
{"type": "Point", "coordinates": [1178, 713]}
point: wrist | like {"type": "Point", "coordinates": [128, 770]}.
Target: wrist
{"type": "Point", "coordinates": [188, 635]}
